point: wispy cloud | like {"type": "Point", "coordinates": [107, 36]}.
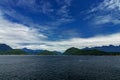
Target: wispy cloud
{"type": "Point", "coordinates": [107, 11]}
{"type": "Point", "coordinates": [20, 36]}
{"type": "Point", "coordinates": [56, 16]}
{"type": "Point", "coordinates": [25, 20]}
{"type": "Point", "coordinates": [109, 5]}
{"type": "Point", "coordinates": [65, 10]}
{"type": "Point", "coordinates": [31, 5]}
{"type": "Point", "coordinates": [99, 20]}
{"type": "Point", "coordinates": [14, 33]}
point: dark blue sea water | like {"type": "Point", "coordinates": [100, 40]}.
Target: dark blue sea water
{"type": "Point", "coordinates": [59, 68]}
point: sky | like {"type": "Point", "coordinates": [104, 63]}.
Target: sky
{"type": "Point", "coordinates": [59, 24]}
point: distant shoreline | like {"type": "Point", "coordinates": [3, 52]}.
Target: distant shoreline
{"type": "Point", "coordinates": [59, 55]}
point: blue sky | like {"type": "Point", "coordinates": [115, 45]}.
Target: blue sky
{"type": "Point", "coordinates": [58, 25]}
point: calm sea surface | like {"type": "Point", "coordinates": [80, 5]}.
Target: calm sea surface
{"type": "Point", "coordinates": [59, 67]}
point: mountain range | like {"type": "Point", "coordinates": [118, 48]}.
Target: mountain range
{"type": "Point", "coordinates": [104, 50]}
{"type": "Point", "coordinates": [109, 48]}
{"type": "Point", "coordinates": [76, 51]}
{"type": "Point", "coordinates": [7, 50]}
{"type": "Point", "coordinates": [30, 51]}
{"type": "Point", "coordinates": [4, 47]}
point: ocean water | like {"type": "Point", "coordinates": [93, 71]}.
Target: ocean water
{"type": "Point", "coordinates": [59, 67]}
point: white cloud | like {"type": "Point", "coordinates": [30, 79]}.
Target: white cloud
{"type": "Point", "coordinates": [42, 6]}
{"type": "Point", "coordinates": [98, 20]}
{"type": "Point", "coordinates": [62, 45]}
{"type": "Point", "coordinates": [107, 5]}
{"type": "Point", "coordinates": [107, 11]}
{"type": "Point", "coordinates": [110, 4]}
{"type": "Point", "coordinates": [64, 11]}
{"type": "Point", "coordinates": [56, 15]}
{"type": "Point", "coordinates": [113, 39]}
{"type": "Point", "coordinates": [14, 33]}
